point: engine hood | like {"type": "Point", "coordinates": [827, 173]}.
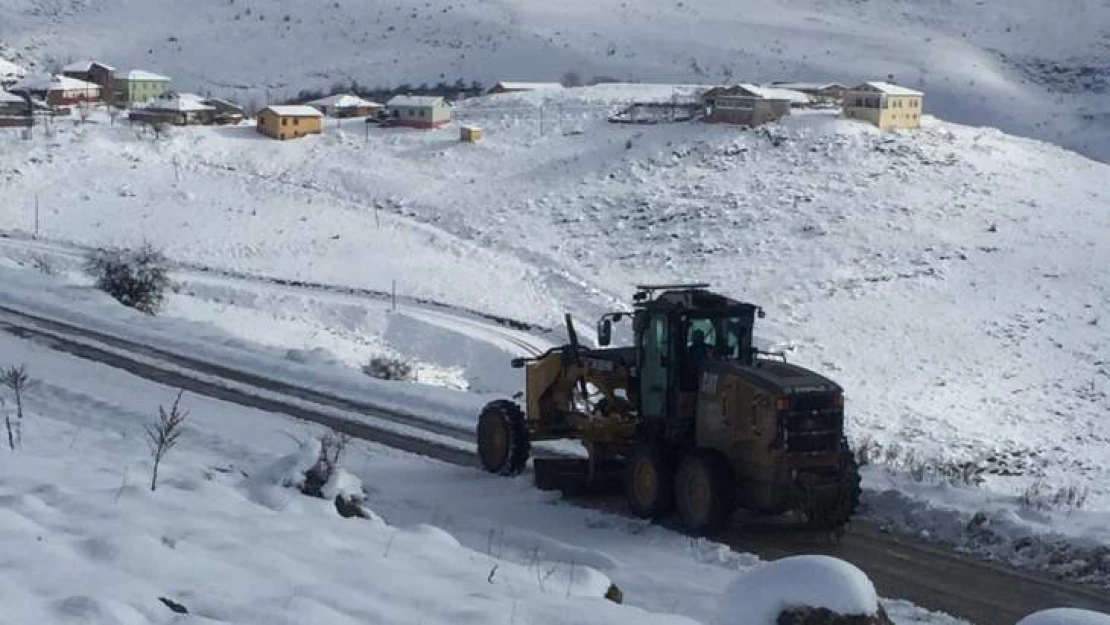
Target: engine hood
{"type": "Point", "coordinates": [785, 378]}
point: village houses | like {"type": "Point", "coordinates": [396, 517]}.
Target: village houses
{"type": "Point", "coordinates": [419, 111]}
{"type": "Point", "coordinates": [290, 121]}
{"type": "Point", "coordinates": [884, 104]}
{"type": "Point", "coordinates": [57, 90]}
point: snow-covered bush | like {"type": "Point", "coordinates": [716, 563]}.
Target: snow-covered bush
{"type": "Point", "coordinates": [135, 278]}
{"type": "Point", "coordinates": [388, 369]}
{"type": "Point", "coordinates": [1040, 496]}
{"type": "Point", "coordinates": [801, 590]}
{"type": "Point", "coordinates": [1066, 616]}
{"type": "Point", "coordinates": [313, 470]}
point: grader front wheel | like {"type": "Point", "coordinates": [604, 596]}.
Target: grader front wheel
{"type": "Point", "coordinates": [503, 444]}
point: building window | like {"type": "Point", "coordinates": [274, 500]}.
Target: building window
{"type": "Point", "coordinates": [284, 122]}
{"type": "Point", "coordinates": [296, 121]}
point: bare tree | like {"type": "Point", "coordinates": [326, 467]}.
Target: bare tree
{"type": "Point", "coordinates": [162, 435]}
{"type": "Point", "coordinates": [8, 422]}
{"type": "Point", "coordinates": [84, 110]}
{"type": "Point", "coordinates": [15, 378]}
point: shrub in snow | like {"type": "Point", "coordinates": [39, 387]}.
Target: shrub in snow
{"type": "Point", "coordinates": [163, 434]}
{"type": "Point", "coordinates": [18, 382]}
{"type": "Point", "coordinates": [388, 369]}
{"type": "Point", "coordinates": [801, 590]}
{"type": "Point", "coordinates": [1040, 496]}
{"type": "Point", "coordinates": [1066, 616]}
{"type": "Point", "coordinates": [135, 278]}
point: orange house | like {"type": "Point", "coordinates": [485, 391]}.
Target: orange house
{"type": "Point", "coordinates": [290, 122]}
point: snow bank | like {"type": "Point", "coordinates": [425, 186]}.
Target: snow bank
{"type": "Point", "coordinates": [82, 542]}
{"type": "Point", "coordinates": [761, 593]}
{"type": "Point", "coordinates": [1066, 616]}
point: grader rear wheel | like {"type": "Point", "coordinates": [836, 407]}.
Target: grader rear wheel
{"type": "Point", "coordinates": [503, 445]}
{"type": "Point", "coordinates": [649, 483]}
{"type": "Point", "coordinates": [703, 492]}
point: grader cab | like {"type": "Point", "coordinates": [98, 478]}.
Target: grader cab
{"type": "Point", "coordinates": [692, 417]}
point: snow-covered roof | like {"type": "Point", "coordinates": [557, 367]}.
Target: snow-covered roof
{"type": "Point", "coordinates": [178, 102]}
{"type": "Point", "coordinates": [414, 100]}
{"type": "Point", "coordinates": [294, 110]}
{"type": "Point", "coordinates": [343, 100]}
{"type": "Point", "coordinates": [778, 93]}
{"type": "Point", "coordinates": [86, 65]}
{"type": "Point", "coordinates": [11, 70]}
{"type": "Point", "coordinates": [807, 86]}
{"type": "Point", "coordinates": [138, 74]}
{"type": "Point", "coordinates": [9, 98]}
{"type": "Point", "coordinates": [888, 88]}
{"type": "Point", "coordinates": [528, 86]}
{"type": "Point", "coordinates": [49, 82]}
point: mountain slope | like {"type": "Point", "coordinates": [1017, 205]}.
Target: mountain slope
{"type": "Point", "coordinates": [1037, 69]}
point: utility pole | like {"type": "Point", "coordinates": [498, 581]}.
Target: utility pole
{"type": "Point", "coordinates": [36, 215]}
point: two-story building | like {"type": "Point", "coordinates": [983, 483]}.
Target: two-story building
{"type": "Point", "coordinates": [290, 121]}
{"type": "Point", "coordinates": [138, 86]}
{"type": "Point", "coordinates": [884, 104]}
{"type": "Point", "coordinates": [95, 72]}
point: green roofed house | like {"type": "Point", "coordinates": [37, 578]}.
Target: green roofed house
{"type": "Point", "coordinates": [137, 86]}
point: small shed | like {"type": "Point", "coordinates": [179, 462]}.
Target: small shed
{"type": "Point", "coordinates": [14, 110]}
{"type": "Point", "coordinates": [471, 134]}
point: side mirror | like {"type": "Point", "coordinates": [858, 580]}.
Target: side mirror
{"type": "Point", "coordinates": [760, 313]}
{"type": "Point", "coordinates": [604, 332]}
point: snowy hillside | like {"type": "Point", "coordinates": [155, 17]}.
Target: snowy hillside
{"type": "Point", "coordinates": [1038, 69]}
{"type": "Point", "coordinates": [951, 279]}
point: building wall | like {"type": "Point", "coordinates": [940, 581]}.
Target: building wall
{"type": "Point", "coordinates": [884, 111]}
{"type": "Point", "coordinates": [273, 125]}
{"type": "Point", "coordinates": [421, 116]}
{"type": "Point", "coordinates": [59, 97]}
{"type": "Point", "coordinates": [138, 91]}
{"type": "Point", "coordinates": [746, 111]}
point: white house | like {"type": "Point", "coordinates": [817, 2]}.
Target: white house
{"type": "Point", "coordinates": [419, 111]}
{"type": "Point", "coordinates": [346, 105]}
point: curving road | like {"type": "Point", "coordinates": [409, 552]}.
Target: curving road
{"type": "Point", "coordinates": [933, 578]}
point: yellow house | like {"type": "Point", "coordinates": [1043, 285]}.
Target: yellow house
{"type": "Point", "coordinates": [290, 122]}
{"type": "Point", "coordinates": [884, 105]}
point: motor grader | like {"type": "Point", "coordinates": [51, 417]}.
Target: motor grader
{"type": "Point", "coordinates": [692, 418]}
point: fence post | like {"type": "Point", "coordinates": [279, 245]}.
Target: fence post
{"type": "Point", "coordinates": [393, 297]}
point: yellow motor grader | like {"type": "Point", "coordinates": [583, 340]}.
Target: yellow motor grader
{"type": "Point", "coordinates": [692, 418]}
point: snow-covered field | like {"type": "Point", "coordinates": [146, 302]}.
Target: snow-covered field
{"type": "Point", "coordinates": [950, 278]}
{"type": "Point", "coordinates": [85, 539]}
{"type": "Point", "coordinates": [1037, 68]}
